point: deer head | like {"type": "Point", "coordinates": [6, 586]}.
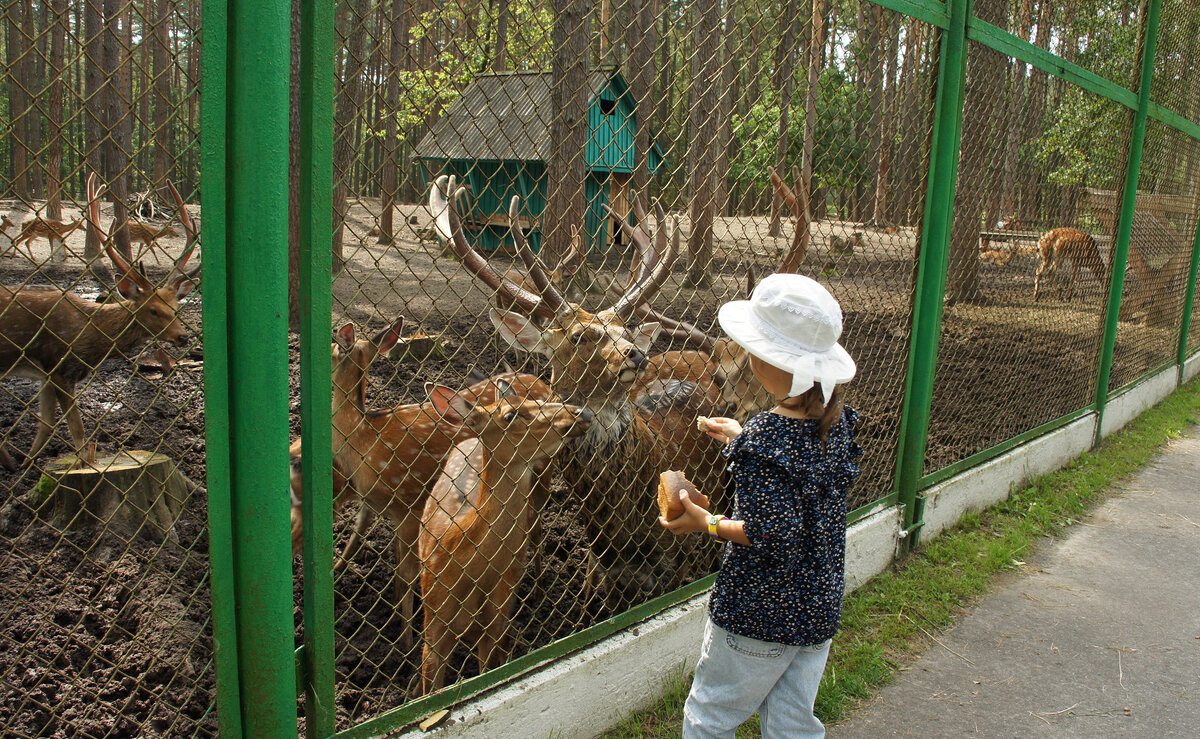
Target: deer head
{"type": "Point", "coordinates": [594, 357]}
{"type": "Point", "coordinates": [154, 309]}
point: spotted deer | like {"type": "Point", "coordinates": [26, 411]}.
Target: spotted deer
{"type": "Point", "coordinates": [58, 338]}
{"type": "Point", "coordinates": [595, 358]}
{"type": "Point", "coordinates": [147, 234]}
{"type": "Point", "coordinates": [390, 458]}
{"type": "Point", "coordinates": [477, 522]}
{"type": "Point", "coordinates": [1076, 247]}
{"type": "Point", "coordinates": [56, 232]}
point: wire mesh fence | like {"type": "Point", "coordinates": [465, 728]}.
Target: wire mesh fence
{"type": "Point", "coordinates": [662, 157]}
{"type": "Point", "coordinates": [104, 597]}
{"type": "Point", "coordinates": [1027, 281]}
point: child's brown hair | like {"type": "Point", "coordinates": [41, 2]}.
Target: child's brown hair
{"type": "Point", "coordinates": [811, 403]}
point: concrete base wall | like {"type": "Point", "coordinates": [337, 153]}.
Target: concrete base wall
{"type": "Point", "coordinates": [1130, 404]}
{"type": "Point", "coordinates": [993, 481]}
{"type": "Point", "coordinates": [1191, 367]}
{"type": "Point", "coordinates": [589, 691]}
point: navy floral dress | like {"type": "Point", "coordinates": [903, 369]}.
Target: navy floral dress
{"type": "Point", "coordinates": [787, 586]}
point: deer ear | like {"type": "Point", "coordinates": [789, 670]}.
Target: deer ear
{"type": "Point", "coordinates": [449, 403]}
{"type": "Point", "coordinates": [344, 336]}
{"type": "Point", "coordinates": [645, 334]}
{"type": "Point", "coordinates": [184, 284]}
{"type": "Point", "coordinates": [388, 338]}
{"type": "Point", "coordinates": [504, 389]}
{"type": "Point", "coordinates": [129, 288]}
{"type": "Point", "coordinates": [519, 332]}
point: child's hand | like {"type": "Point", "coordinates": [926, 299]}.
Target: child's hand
{"type": "Point", "coordinates": [720, 428]}
{"type": "Point", "coordinates": [693, 519]}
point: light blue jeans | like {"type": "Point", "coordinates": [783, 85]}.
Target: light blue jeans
{"type": "Point", "coordinates": [737, 676]}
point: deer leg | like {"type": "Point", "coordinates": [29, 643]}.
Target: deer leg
{"type": "Point", "coordinates": [70, 409]}
{"type": "Point", "coordinates": [1037, 278]}
{"type": "Point", "coordinates": [491, 652]}
{"type": "Point", "coordinates": [407, 572]}
{"type": "Point", "coordinates": [46, 404]}
{"type": "Point", "coordinates": [356, 536]}
{"type": "Point", "coordinates": [439, 643]}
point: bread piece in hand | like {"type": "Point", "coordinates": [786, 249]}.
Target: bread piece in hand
{"type": "Point", "coordinates": [702, 423]}
{"type": "Point", "coordinates": [669, 485]}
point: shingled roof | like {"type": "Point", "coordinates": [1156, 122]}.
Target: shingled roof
{"type": "Point", "coordinates": [503, 117]}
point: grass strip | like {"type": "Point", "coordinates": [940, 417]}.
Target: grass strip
{"type": "Point", "coordinates": [892, 619]}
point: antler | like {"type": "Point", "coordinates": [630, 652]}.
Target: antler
{"type": "Point", "coordinates": [798, 201]}
{"type": "Point", "coordinates": [448, 224]}
{"type": "Point", "coordinates": [94, 190]}
{"type": "Point", "coordinates": [189, 229]}
{"type": "Point", "coordinates": [648, 280]}
{"type": "Point", "coordinates": [553, 299]}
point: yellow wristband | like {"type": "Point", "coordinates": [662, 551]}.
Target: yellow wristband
{"type": "Point", "coordinates": [712, 525]}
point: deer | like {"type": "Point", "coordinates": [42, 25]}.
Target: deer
{"type": "Point", "coordinates": [147, 234]}
{"type": "Point", "coordinates": [57, 338]}
{"type": "Point", "coordinates": [1076, 247]}
{"type": "Point", "coordinates": [595, 359]}
{"type": "Point", "coordinates": [56, 232]}
{"type": "Point", "coordinates": [476, 526]}
{"type": "Point", "coordinates": [391, 458]}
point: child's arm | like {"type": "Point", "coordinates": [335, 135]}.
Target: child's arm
{"type": "Point", "coordinates": [695, 519]}
{"type": "Point", "coordinates": [720, 428]}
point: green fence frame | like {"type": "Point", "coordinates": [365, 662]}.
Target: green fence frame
{"type": "Point", "coordinates": [245, 183]}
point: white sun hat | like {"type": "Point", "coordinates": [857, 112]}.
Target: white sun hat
{"type": "Point", "coordinates": [793, 323]}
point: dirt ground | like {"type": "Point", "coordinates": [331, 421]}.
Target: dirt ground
{"type": "Point", "coordinates": [103, 637]}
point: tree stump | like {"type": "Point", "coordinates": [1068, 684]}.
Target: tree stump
{"type": "Point", "coordinates": [132, 493]}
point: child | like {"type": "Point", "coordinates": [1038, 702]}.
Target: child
{"type": "Point", "coordinates": [778, 596]}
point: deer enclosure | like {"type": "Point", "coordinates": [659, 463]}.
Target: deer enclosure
{"type": "Point", "coordinates": [625, 168]}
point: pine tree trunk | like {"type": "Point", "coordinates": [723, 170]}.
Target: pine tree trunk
{"type": "Point", "coordinates": [391, 136]}
{"type": "Point", "coordinates": [785, 73]}
{"type": "Point", "coordinates": [566, 170]}
{"type": "Point", "coordinates": [703, 124]}
{"type": "Point", "coordinates": [348, 99]}
{"type": "Point", "coordinates": [643, 33]}
{"type": "Point", "coordinates": [54, 111]}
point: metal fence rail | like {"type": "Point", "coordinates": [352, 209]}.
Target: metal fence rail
{"type": "Point", "coordinates": [1002, 194]}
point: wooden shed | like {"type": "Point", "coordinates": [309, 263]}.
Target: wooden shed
{"type": "Point", "coordinates": [496, 139]}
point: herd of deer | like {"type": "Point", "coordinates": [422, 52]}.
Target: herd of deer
{"type": "Point", "coordinates": [56, 232]}
{"type": "Point", "coordinates": [57, 338]}
{"type": "Point", "coordinates": [463, 476]}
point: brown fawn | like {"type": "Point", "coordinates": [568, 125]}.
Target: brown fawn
{"type": "Point", "coordinates": [1076, 247]}
{"type": "Point", "coordinates": [56, 232]}
{"type": "Point", "coordinates": [390, 458]}
{"type": "Point", "coordinates": [475, 530]}
{"type": "Point", "coordinates": [595, 359]}
{"type": "Point", "coordinates": [58, 338]}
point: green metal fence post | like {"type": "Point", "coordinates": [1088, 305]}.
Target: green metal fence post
{"type": "Point", "coordinates": [932, 264]}
{"type": "Point", "coordinates": [316, 243]}
{"type": "Point", "coordinates": [1189, 297]}
{"type": "Point", "coordinates": [246, 372]}
{"type": "Point", "coordinates": [1133, 167]}
{"type": "Point", "coordinates": [214, 58]}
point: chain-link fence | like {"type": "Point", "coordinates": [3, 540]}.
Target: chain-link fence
{"type": "Point", "coordinates": [662, 157]}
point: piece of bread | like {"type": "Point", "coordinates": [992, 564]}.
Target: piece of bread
{"type": "Point", "coordinates": [669, 485]}
{"type": "Point", "coordinates": [702, 423]}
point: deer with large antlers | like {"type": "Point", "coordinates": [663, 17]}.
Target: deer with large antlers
{"type": "Point", "coordinates": [58, 338]}
{"type": "Point", "coordinates": [595, 359]}
{"type": "Point", "coordinates": [391, 458]}
{"type": "Point", "coordinates": [477, 524]}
